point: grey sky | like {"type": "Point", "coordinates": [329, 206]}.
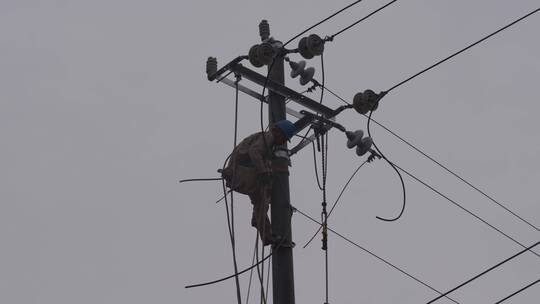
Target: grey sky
{"type": "Point", "coordinates": [104, 106]}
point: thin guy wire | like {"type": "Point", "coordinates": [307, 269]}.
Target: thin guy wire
{"type": "Point", "coordinates": [516, 292]}
{"type": "Point", "coordinates": [231, 227]}
{"type": "Point", "coordinates": [364, 18]}
{"type": "Point", "coordinates": [464, 209]}
{"type": "Point", "coordinates": [322, 21]}
{"type": "Point", "coordinates": [441, 165]}
{"type": "Point", "coordinates": [463, 50]}
{"type": "Point", "coordinates": [335, 203]}
{"type": "Point", "coordinates": [259, 275]}
{"type": "Point", "coordinates": [251, 271]}
{"type": "Point", "coordinates": [484, 272]}
{"type": "Point", "coordinates": [373, 254]}
{"type": "Point", "coordinates": [267, 280]}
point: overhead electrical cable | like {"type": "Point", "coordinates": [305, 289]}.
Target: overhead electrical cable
{"type": "Point", "coordinates": [518, 291]}
{"type": "Point", "coordinates": [431, 158]}
{"type": "Point", "coordinates": [462, 50]}
{"type": "Point", "coordinates": [360, 20]}
{"type": "Point", "coordinates": [484, 272]}
{"type": "Point", "coordinates": [322, 21]}
{"type": "Point", "coordinates": [463, 208]}
{"type": "Point", "coordinates": [373, 254]}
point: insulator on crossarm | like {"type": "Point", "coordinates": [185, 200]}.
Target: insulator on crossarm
{"type": "Point", "coordinates": [364, 146]}
{"type": "Point", "coordinates": [366, 101]}
{"type": "Point", "coordinates": [354, 138]}
{"type": "Point", "coordinates": [311, 46]}
{"type": "Point", "coordinates": [211, 66]}
{"type": "Point", "coordinates": [299, 69]}
{"type": "Point", "coordinates": [254, 56]}
{"type": "Point", "coordinates": [264, 30]}
{"type": "Point", "coordinates": [307, 75]}
{"type": "Point", "coordinates": [266, 53]}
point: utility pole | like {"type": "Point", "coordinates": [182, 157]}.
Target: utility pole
{"type": "Point", "coordinates": [272, 53]}
{"type": "Point", "coordinates": [282, 256]}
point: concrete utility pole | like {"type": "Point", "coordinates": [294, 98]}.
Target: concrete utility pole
{"type": "Point", "coordinates": [282, 257]}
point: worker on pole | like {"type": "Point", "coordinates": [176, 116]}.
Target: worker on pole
{"type": "Point", "coordinates": [249, 172]}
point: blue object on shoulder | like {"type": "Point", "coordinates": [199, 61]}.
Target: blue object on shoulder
{"type": "Point", "coordinates": [287, 128]}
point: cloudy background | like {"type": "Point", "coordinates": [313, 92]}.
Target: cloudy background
{"type": "Point", "coordinates": [104, 106]}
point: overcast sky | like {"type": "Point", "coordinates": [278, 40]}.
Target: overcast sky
{"type": "Point", "coordinates": [104, 106]}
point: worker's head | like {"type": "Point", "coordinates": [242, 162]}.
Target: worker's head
{"type": "Point", "coordinates": [283, 130]}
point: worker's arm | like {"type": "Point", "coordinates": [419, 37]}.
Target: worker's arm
{"type": "Point", "coordinates": [257, 151]}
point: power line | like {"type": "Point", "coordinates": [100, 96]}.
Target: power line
{"type": "Point", "coordinates": [464, 209]}
{"type": "Point", "coordinates": [322, 21]}
{"type": "Point", "coordinates": [373, 254]}
{"type": "Point", "coordinates": [360, 20]}
{"type": "Point", "coordinates": [477, 189]}
{"type": "Point", "coordinates": [516, 292]}
{"type": "Point", "coordinates": [484, 272]}
{"type": "Point", "coordinates": [462, 50]}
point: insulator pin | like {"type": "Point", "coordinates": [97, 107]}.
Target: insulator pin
{"type": "Point", "coordinates": [211, 66]}
{"type": "Point", "coordinates": [264, 30]}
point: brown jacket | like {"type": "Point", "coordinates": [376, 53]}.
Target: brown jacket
{"type": "Point", "coordinates": [249, 159]}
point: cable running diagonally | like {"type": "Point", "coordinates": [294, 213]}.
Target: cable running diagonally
{"type": "Point", "coordinates": [360, 20]}
{"type": "Point", "coordinates": [484, 272]}
{"type": "Point", "coordinates": [518, 291]}
{"type": "Point", "coordinates": [322, 21]}
{"type": "Point", "coordinates": [462, 50]}
{"type": "Point", "coordinates": [463, 208]}
{"type": "Point", "coordinates": [372, 254]}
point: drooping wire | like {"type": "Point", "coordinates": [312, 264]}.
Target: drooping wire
{"type": "Point", "coordinates": [462, 50]}
{"type": "Point", "coordinates": [337, 200]}
{"type": "Point", "coordinates": [360, 20]}
{"type": "Point", "coordinates": [463, 208]}
{"type": "Point", "coordinates": [372, 254]}
{"type": "Point", "coordinates": [393, 167]}
{"type": "Point", "coordinates": [322, 21]}
{"type": "Point", "coordinates": [518, 291]}
{"type": "Point", "coordinates": [484, 272]}
{"type": "Point", "coordinates": [315, 167]}
{"type": "Point", "coordinates": [431, 158]}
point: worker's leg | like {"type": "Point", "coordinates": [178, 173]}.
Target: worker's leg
{"type": "Point", "coordinates": [260, 200]}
